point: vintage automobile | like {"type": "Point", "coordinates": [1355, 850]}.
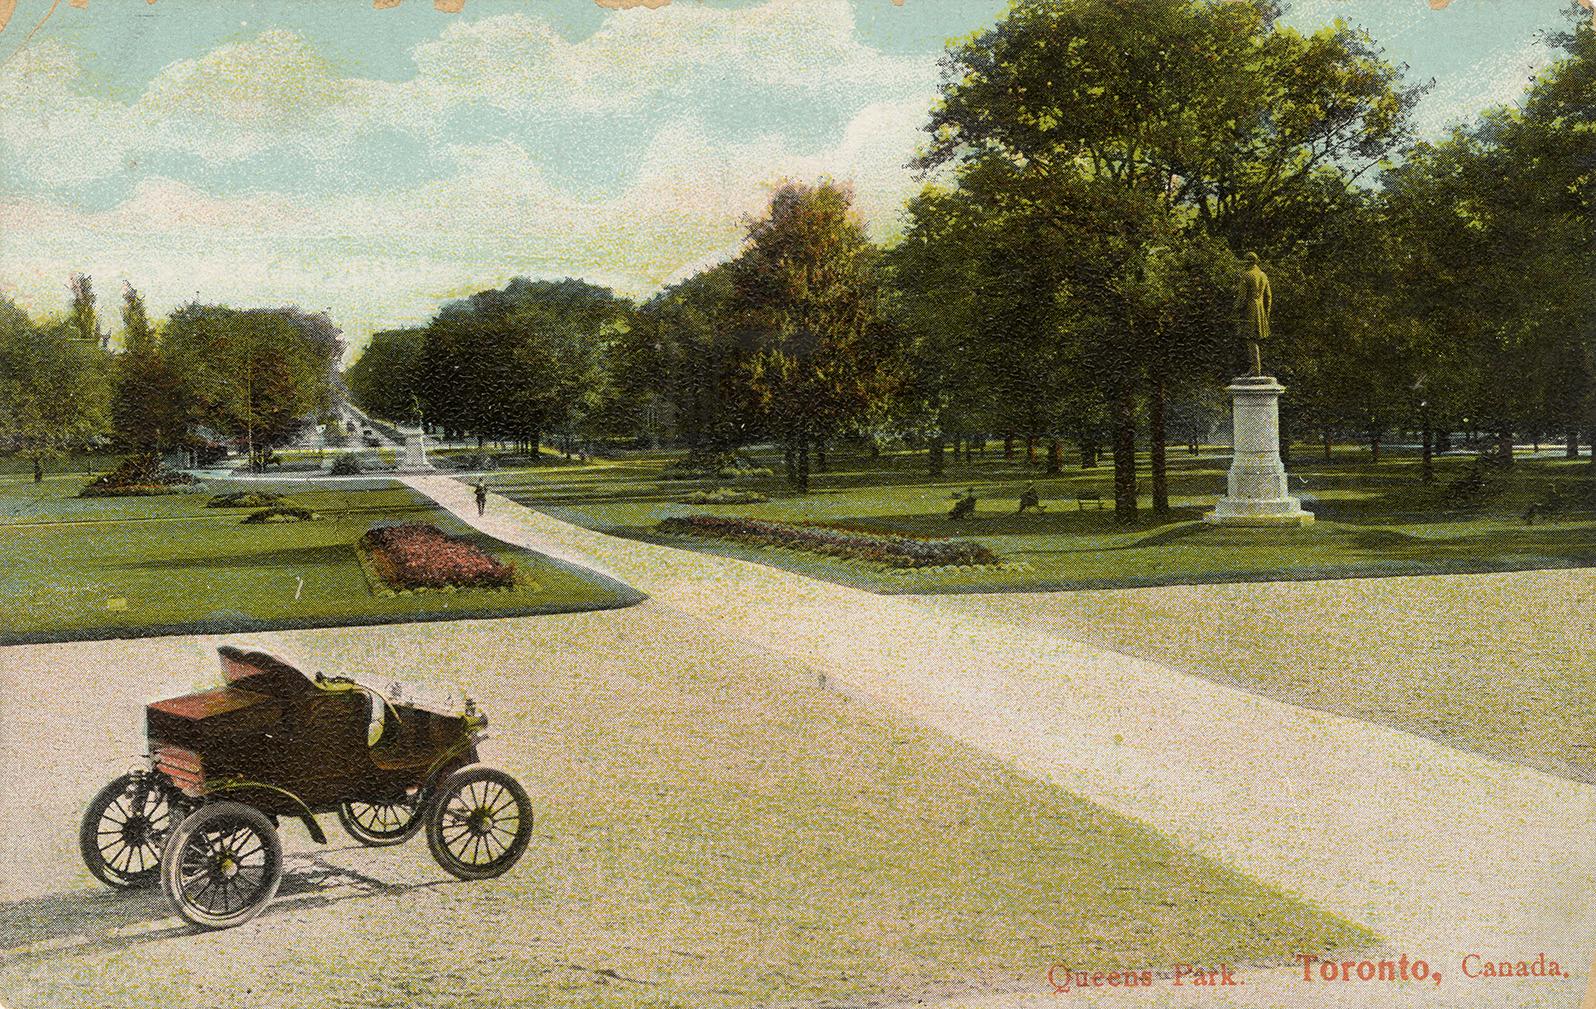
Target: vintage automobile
{"type": "Point", "coordinates": [226, 764]}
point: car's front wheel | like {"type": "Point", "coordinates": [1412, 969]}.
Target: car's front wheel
{"type": "Point", "coordinates": [480, 823]}
{"type": "Point", "coordinates": [222, 865]}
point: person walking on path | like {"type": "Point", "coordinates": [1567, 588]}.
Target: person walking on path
{"type": "Point", "coordinates": [482, 496]}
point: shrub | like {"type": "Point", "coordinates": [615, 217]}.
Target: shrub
{"type": "Point", "coordinates": [474, 461]}
{"type": "Point", "coordinates": [1478, 483]}
{"type": "Point", "coordinates": [417, 555]}
{"type": "Point", "coordinates": [743, 472]}
{"type": "Point", "coordinates": [136, 476]}
{"type": "Point", "coordinates": [245, 499]}
{"type": "Point", "coordinates": [889, 549]}
{"type": "Point", "coordinates": [282, 513]}
{"type": "Point", "coordinates": [347, 464]}
{"type": "Point", "coordinates": [714, 466]}
{"type": "Point", "coordinates": [724, 495]}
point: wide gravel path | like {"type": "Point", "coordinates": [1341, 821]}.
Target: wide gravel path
{"type": "Point", "coordinates": [1445, 852]}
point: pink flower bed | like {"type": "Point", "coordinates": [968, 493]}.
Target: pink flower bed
{"type": "Point", "coordinates": [416, 555]}
{"type": "Point", "coordinates": [889, 549]}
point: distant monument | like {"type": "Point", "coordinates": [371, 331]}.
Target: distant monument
{"type": "Point", "coordinates": [415, 456]}
{"type": "Point", "coordinates": [1257, 484]}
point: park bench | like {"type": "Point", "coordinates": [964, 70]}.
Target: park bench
{"type": "Point", "coordinates": [1089, 496]}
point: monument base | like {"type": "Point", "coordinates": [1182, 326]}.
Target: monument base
{"type": "Point", "coordinates": [414, 457]}
{"type": "Point", "coordinates": [1257, 484]}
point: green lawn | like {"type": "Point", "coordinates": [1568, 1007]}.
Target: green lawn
{"type": "Point", "coordinates": [1503, 665]}
{"type": "Point", "coordinates": [118, 567]}
{"type": "Point", "coordinates": [1373, 519]}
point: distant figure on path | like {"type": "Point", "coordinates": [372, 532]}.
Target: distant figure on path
{"type": "Point", "coordinates": [1030, 499]}
{"type": "Point", "coordinates": [1254, 301]}
{"type": "Point", "coordinates": [482, 497]}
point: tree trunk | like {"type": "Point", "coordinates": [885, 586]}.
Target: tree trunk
{"type": "Point", "coordinates": [1008, 448]}
{"type": "Point", "coordinates": [1326, 444]}
{"type": "Point", "coordinates": [1443, 442]}
{"type": "Point", "coordinates": [934, 455]}
{"type": "Point", "coordinates": [1504, 446]}
{"type": "Point", "coordinates": [38, 470]}
{"type": "Point", "coordinates": [1088, 453]}
{"type": "Point", "coordinates": [1030, 449]}
{"type": "Point", "coordinates": [1155, 436]}
{"type": "Point", "coordinates": [1055, 457]}
{"type": "Point", "coordinates": [1192, 449]}
{"type": "Point", "coordinates": [1427, 460]}
{"type": "Point", "coordinates": [820, 454]}
{"type": "Point", "coordinates": [803, 465]}
{"type": "Point", "coordinates": [1374, 447]}
{"type": "Point", "coordinates": [1125, 456]}
{"type": "Point", "coordinates": [1571, 444]}
{"type": "Point", "coordinates": [791, 459]}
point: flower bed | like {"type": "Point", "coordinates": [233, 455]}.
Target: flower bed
{"type": "Point", "coordinates": [416, 555]}
{"type": "Point", "coordinates": [888, 549]}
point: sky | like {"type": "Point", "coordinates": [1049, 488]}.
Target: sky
{"type": "Point", "coordinates": [378, 162]}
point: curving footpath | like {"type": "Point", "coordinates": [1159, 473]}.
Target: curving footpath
{"type": "Point", "coordinates": [1444, 852]}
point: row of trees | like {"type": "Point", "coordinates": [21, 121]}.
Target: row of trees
{"type": "Point", "coordinates": [207, 374]}
{"type": "Point", "coordinates": [1071, 279]}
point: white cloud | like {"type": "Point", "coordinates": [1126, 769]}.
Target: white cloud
{"type": "Point", "coordinates": [388, 258]}
{"type": "Point", "coordinates": [389, 255]}
{"type": "Point", "coordinates": [680, 53]}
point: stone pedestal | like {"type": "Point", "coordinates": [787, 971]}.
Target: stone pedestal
{"type": "Point", "coordinates": [1257, 490]}
{"type": "Point", "coordinates": [414, 458]}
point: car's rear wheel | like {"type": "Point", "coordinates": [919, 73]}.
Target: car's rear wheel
{"type": "Point", "coordinates": [222, 865]}
{"type": "Point", "coordinates": [480, 823]}
{"type": "Point", "coordinates": [379, 824]}
{"type": "Point", "coordinates": [124, 830]}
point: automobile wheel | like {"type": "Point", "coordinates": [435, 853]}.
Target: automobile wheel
{"type": "Point", "coordinates": [123, 831]}
{"type": "Point", "coordinates": [379, 824]}
{"type": "Point", "coordinates": [222, 864]}
{"type": "Point", "coordinates": [480, 823]}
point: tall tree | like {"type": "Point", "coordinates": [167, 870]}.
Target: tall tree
{"type": "Point", "coordinates": [1203, 114]}
{"type": "Point", "coordinates": [258, 375]}
{"type": "Point", "coordinates": [685, 355]}
{"type": "Point", "coordinates": [384, 380]}
{"type": "Point", "coordinates": [144, 407]}
{"type": "Point", "coordinates": [85, 320]}
{"type": "Point", "coordinates": [54, 393]}
{"type": "Point", "coordinates": [521, 361]}
{"type": "Point", "coordinates": [810, 304]}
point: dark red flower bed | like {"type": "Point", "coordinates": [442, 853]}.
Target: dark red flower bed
{"type": "Point", "coordinates": [890, 549]}
{"type": "Point", "coordinates": [416, 555]}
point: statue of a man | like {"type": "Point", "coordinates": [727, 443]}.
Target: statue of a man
{"type": "Point", "coordinates": [1253, 302]}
